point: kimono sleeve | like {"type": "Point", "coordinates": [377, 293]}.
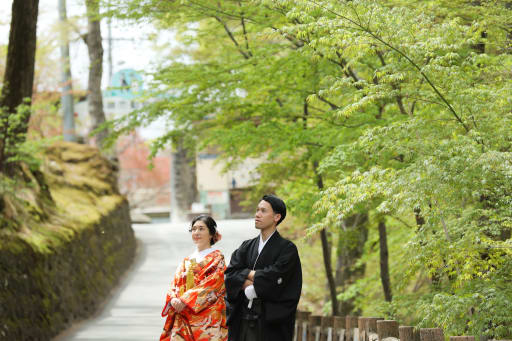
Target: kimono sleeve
{"type": "Point", "coordinates": [208, 290]}
{"type": "Point", "coordinates": [236, 273]}
{"type": "Point", "coordinates": [173, 289]}
{"type": "Point", "coordinates": [271, 281]}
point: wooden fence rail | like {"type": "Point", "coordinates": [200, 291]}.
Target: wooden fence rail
{"type": "Point", "coordinates": [352, 328]}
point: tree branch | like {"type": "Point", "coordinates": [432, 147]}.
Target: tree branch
{"type": "Point", "coordinates": [404, 55]}
{"type": "Point", "coordinates": [231, 36]}
{"type": "Point", "coordinates": [398, 98]}
{"type": "Point", "coordinates": [242, 20]}
{"type": "Point", "coordinates": [332, 105]}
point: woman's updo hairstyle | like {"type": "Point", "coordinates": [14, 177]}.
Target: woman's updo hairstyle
{"type": "Point", "coordinates": [212, 227]}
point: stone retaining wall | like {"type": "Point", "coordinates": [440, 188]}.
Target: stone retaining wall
{"type": "Point", "coordinates": [59, 271]}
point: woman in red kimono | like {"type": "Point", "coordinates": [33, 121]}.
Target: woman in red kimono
{"type": "Point", "coordinates": [194, 306]}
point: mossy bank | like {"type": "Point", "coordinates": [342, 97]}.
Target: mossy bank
{"type": "Point", "coordinates": [59, 268]}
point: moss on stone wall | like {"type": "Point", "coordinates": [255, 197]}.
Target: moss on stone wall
{"type": "Point", "coordinates": [59, 269]}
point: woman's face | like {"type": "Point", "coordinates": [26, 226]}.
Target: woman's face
{"type": "Point", "coordinates": [201, 235]}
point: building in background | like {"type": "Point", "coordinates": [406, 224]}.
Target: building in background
{"type": "Point", "coordinates": [121, 98]}
{"type": "Point", "coordinates": [148, 189]}
{"type": "Point", "coordinates": [221, 192]}
{"type": "Point", "coordinates": [124, 93]}
{"type": "Point", "coordinates": [200, 188]}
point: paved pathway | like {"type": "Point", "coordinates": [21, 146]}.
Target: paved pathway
{"type": "Point", "coordinates": [133, 313]}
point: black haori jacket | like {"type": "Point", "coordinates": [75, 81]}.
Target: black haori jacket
{"type": "Point", "coordinates": [277, 282]}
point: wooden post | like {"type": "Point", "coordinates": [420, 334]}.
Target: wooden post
{"type": "Point", "coordinates": [339, 326]}
{"type": "Point", "coordinates": [371, 328]}
{"type": "Point", "coordinates": [431, 334]}
{"type": "Point", "coordinates": [408, 333]}
{"type": "Point", "coordinates": [368, 328]}
{"type": "Point", "coordinates": [314, 327]}
{"type": "Point", "coordinates": [462, 338]}
{"type": "Point", "coordinates": [302, 325]}
{"type": "Point", "coordinates": [388, 328]}
{"type": "Point", "coordinates": [351, 324]}
{"type": "Point", "coordinates": [326, 328]}
{"type": "Point", "coordinates": [361, 322]}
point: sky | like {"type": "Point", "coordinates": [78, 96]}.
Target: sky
{"type": "Point", "coordinates": [131, 48]}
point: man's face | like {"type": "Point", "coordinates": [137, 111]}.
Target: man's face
{"type": "Point", "coordinates": [265, 216]}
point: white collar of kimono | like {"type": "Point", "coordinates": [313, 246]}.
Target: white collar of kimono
{"type": "Point", "coordinates": [199, 255]}
{"type": "Point", "coordinates": [262, 243]}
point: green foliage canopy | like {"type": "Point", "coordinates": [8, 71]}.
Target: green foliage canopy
{"type": "Point", "coordinates": [400, 108]}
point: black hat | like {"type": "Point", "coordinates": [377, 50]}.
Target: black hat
{"type": "Point", "coordinates": [277, 205]}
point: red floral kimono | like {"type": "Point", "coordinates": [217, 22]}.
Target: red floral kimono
{"type": "Point", "coordinates": [201, 287]}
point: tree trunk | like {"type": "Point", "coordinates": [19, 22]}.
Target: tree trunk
{"type": "Point", "coordinates": [67, 102]}
{"type": "Point", "coordinates": [384, 263]}
{"type": "Point", "coordinates": [95, 47]}
{"type": "Point", "coordinates": [326, 251]}
{"type": "Point", "coordinates": [480, 46]}
{"type": "Point", "coordinates": [420, 221]}
{"type": "Point", "coordinates": [353, 235]}
{"type": "Point", "coordinates": [19, 71]}
{"type": "Point", "coordinates": [419, 218]}
{"type": "Point", "coordinates": [184, 184]}
{"type": "Point", "coordinates": [328, 269]}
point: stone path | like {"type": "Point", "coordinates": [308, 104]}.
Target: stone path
{"type": "Point", "coordinates": [133, 313]}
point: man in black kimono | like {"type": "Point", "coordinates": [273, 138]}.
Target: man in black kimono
{"type": "Point", "coordinates": [264, 281]}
